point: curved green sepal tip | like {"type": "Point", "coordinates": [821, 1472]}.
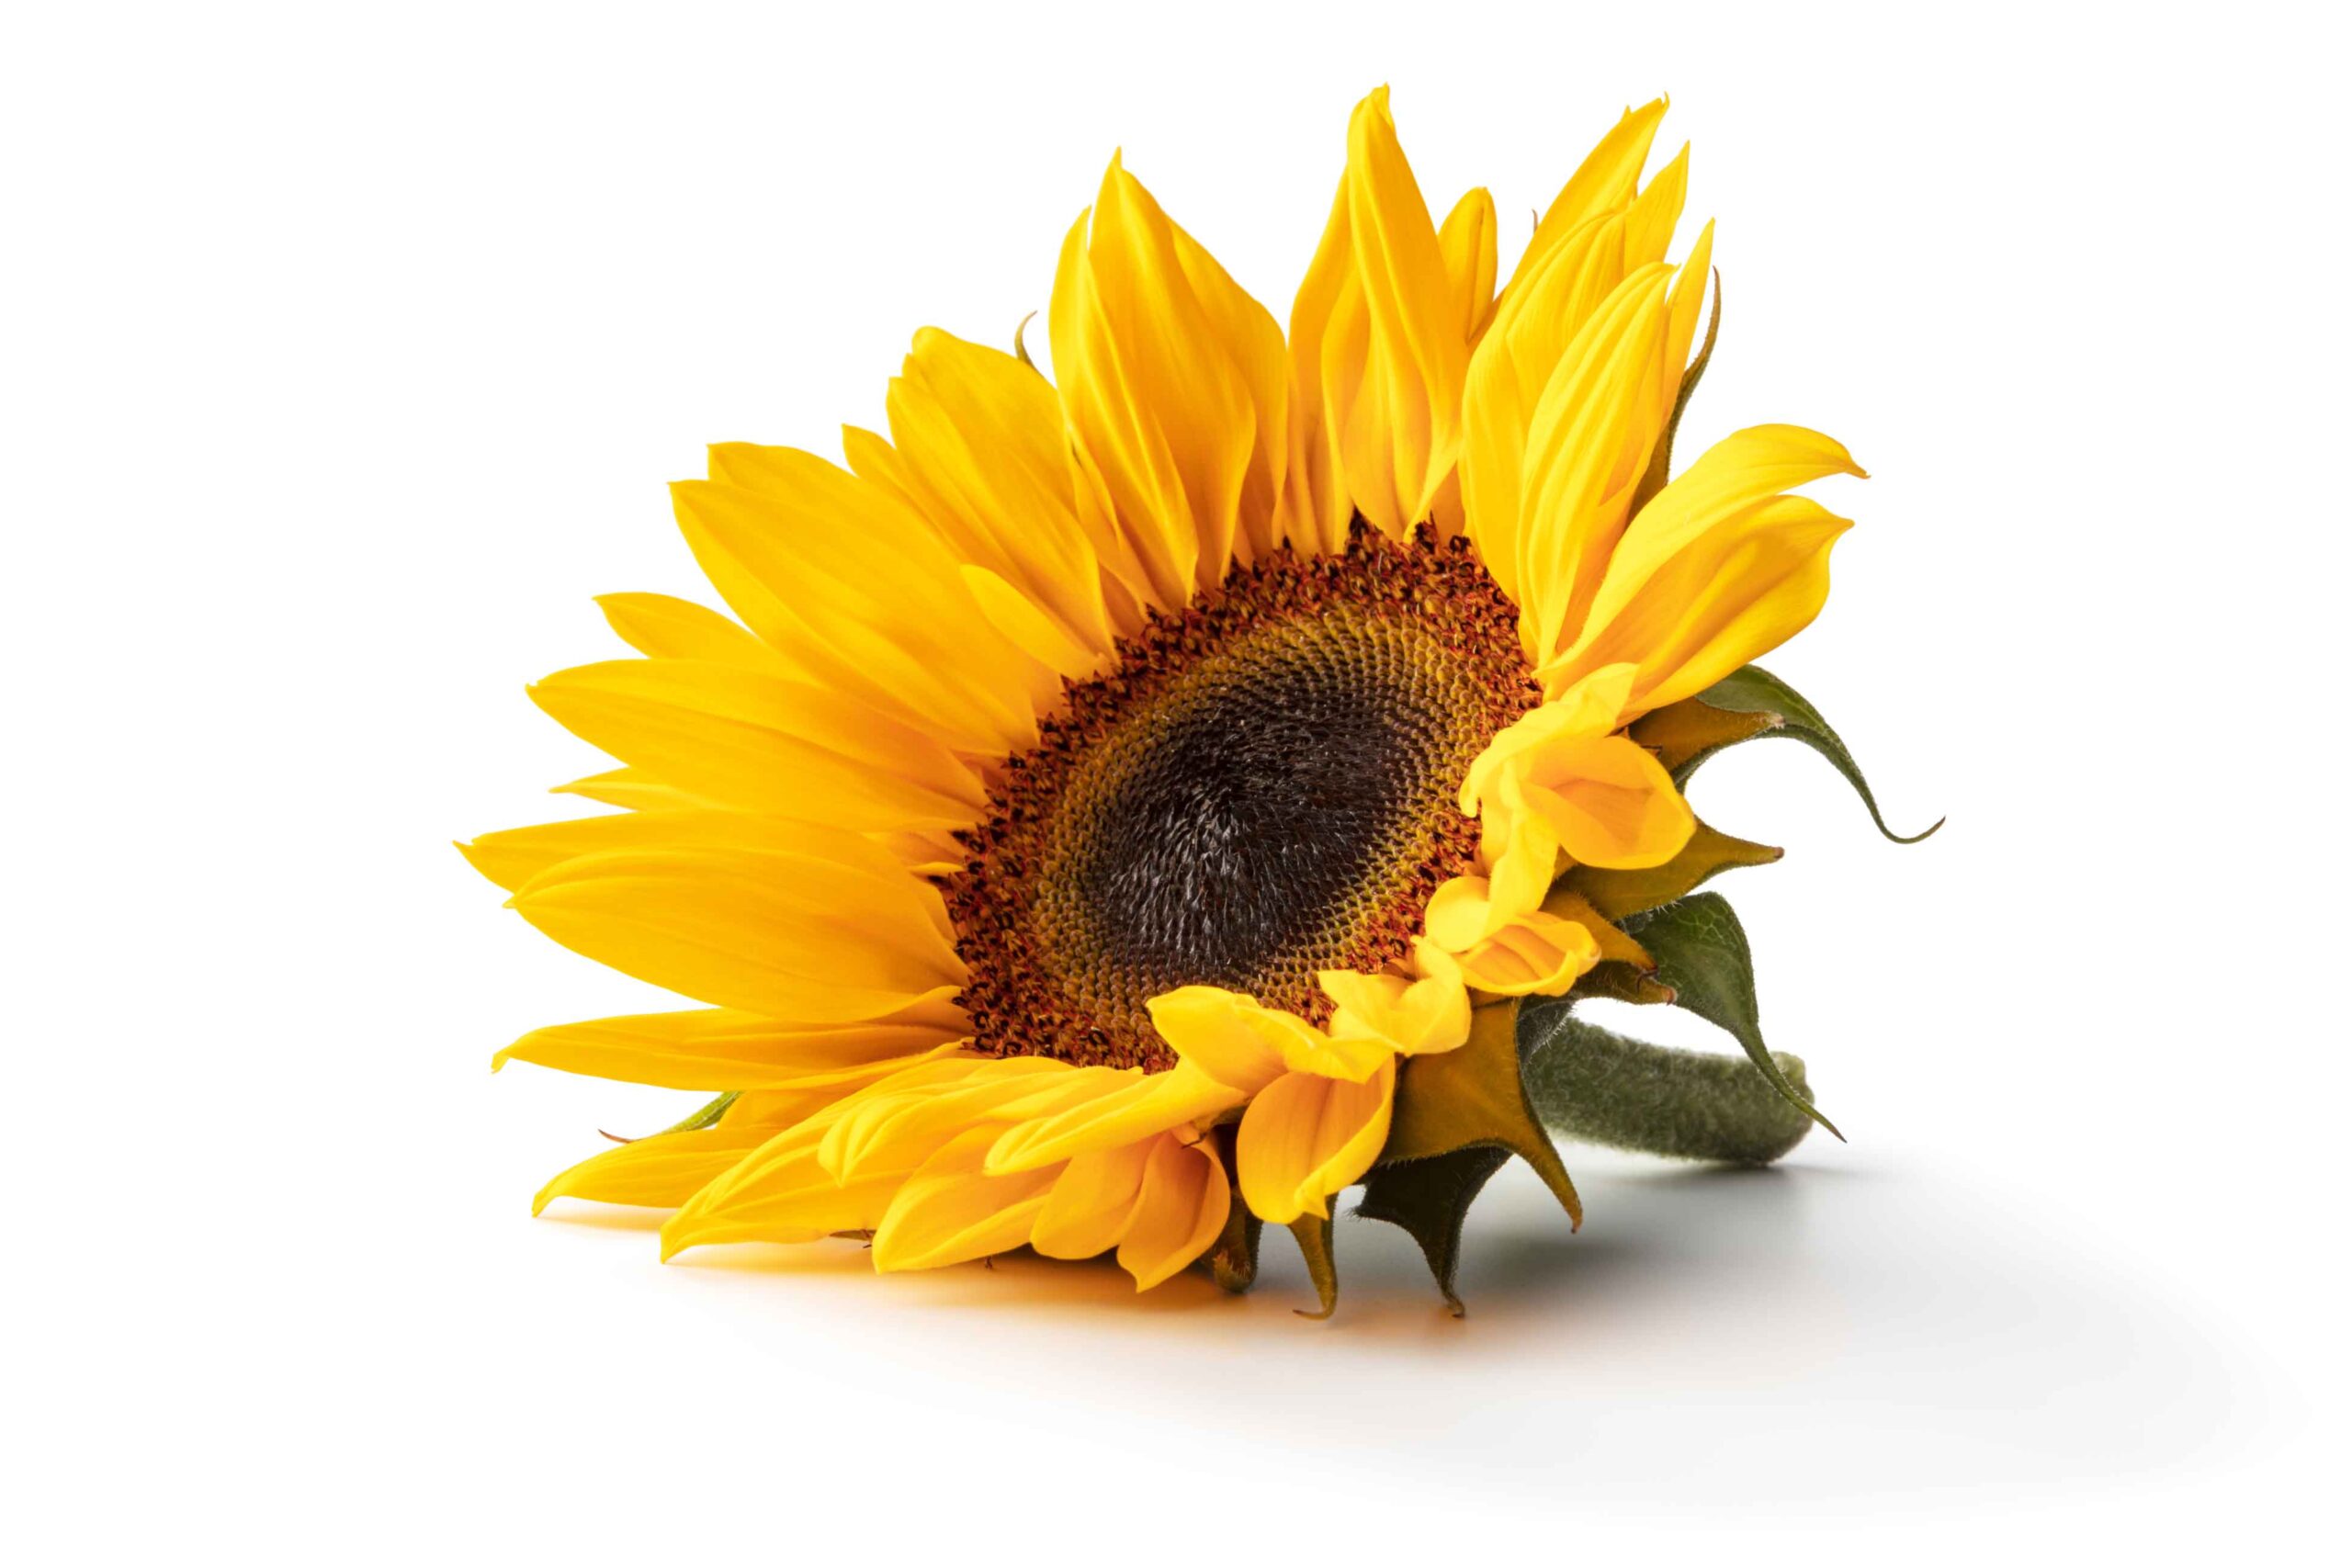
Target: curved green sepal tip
{"type": "Point", "coordinates": [1313, 1233]}
{"type": "Point", "coordinates": [1428, 1200]}
{"type": "Point", "coordinates": [709, 1115]}
{"type": "Point", "coordinates": [1744, 704]}
{"type": "Point", "coordinates": [1617, 894]}
{"type": "Point", "coordinates": [1702, 954]}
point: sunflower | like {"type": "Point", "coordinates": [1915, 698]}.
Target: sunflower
{"type": "Point", "coordinates": [1124, 810]}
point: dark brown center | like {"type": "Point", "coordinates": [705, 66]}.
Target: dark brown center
{"type": "Point", "coordinates": [1265, 787]}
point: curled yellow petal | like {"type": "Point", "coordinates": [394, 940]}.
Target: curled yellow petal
{"type": "Point", "coordinates": [1306, 1136]}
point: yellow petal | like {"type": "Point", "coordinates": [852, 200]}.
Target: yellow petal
{"type": "Point", "coordinates": [1305, 1137]}
{"type": "Point", "coordinates": [1091, 1202]}
{"type": "Point", "coordinates": [1717, 575]}
{"type": "Point", "coordinates": [665, 627]}
{"type": "Point", "coordinates": [1607, 801]}
{"type": "Point", "coordinates": [1221, 1033]}
{"type": "Point", "coordinates": [1156, 1102]}
{"type": "Point", "coordinates": [822, 938]}
{"type": "Point", "coordinates": [1603, 183]}
{"type": "Point", "coordinates": [778, 1192]}
{"type": "Point", "coordinates": [895, 1127]}
{"type": "Point", "coordinates": [1410, 1016]}
{"type": "Point", "coordinates": [632, 789]}
{"type": "Point", "coordinates": [1535, 954]}
{"type": "Point", "coordinates": [1589, 441]}
{"type": "Point", "coordinates": [1179, 1213]}
{"type": "Point", "coordinates": [950, 1211]}
{"type": "Point", "coordinates": [982, 452]}
{"type": "Point", "coordinates": [1329, 334]}
{"type": "Point", "coordinates": [1592, 707]}
{"type": "Point", "coordinates": [758, 742]}
{"type": "Point", "coordinates": [870, 599]}
{"type": "Point", "coordinates": [719, 1049]}
{"type": "Point", "coordinates": [1403, 435]}
{"type": "Point", "coordinates": [1160, 362]}
{"type": "Point", "coordinates": [1466, 240]}
{"type": "Point", "coordinates": [513, 856]}
{"type": "Point", "coordinates": [660, 1172]}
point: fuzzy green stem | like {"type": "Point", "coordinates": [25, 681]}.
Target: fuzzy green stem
{"type": "Point", "coordinates": [1584, 1083]}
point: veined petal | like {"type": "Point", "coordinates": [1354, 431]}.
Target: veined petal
{"type": "Point", "coordinates": [950, 1211]}
{"type": "Point", "coordinates": [825, 938]}
{"type": "Point", "coordinates": [753, 741]}
{"type": "Point", "coordinates": [1092, 1201]}
{"type": "Point", "coordinates": [632, 789]}
{"type": "Point", "coordinates": [981, 450]}
{"type": "Point", "coordinates": [1242, 1043]}
{"type": "Point", "coordinates": [1183, 1095]}
{"type": "Point", "coordinates": [1607, 802]}
{"type": "Point", "coordinates": [1603, 183]}
{"type": "Point", "coordinates": [660, 1172]}
{"type": "Point", "coordinates": [1532, 954]}
{"type": "Point", "coordinates": [720, 1048]}
{"type": "Point", "coordinates": [1467, 240]}
{"type": "Point", "coordinates": [896, 1127]}
{"type": "Point", "coordinates": [513, 856]}
{"type": "Point", "coordinates": [1306, 1136]}
{"type": "Point", "coordinates": [1220, 1033]}
{"type": "Point", "coordinates": [1403, 434]}
{"type": "Point", "coordinates": [1594, 706]}
{"type": "Point", "coordinates": [1160, 362]}
{"type": "Point", "coordinates": [1409, 1016]}
{"type": "Point", "coordinates": [1720, 574]}
{"type": "Point", "coordinates": [1329, 334]}
{"type": "Point", "coordinates": [663, 628]}
{"type": "Point", "coordinates": [1180, 1210]}
{"type": "Point", "coordinates": [868, 598]}
{"type": "Point", "coordinates": [1588, 442]}
{"type": "Point", "coordinates": [778, 1192]}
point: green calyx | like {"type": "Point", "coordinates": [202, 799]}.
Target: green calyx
{"type": "Point", "coordinates": [1534, 1070]}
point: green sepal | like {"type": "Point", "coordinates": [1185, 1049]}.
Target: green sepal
{"type": "Point", "coordinates": [1313, 1233]}
{"type": "Point", "coordinates": [1703, 952]}
{"type": "Point", "coordinates": [1021, 349]}
{"type": "Point", "coordinates": [1618, 982]}
{"type": "Point", "coordinates": [1617, 894]}
{"type": "Point", "coordinates": [1654, 478]}
{"type": "Point", "coordinates": [1748, 702]}
{"type": "Point", "coordinates": [707, 1117]}
{"type": "Point", "coordinates": [1459, 1115]}
{"type": "Point", "coordinates": [1429, 1198]}
{"type": "Point", "coordinates": [1471, 1097]}
{"type": "Point", "coordinates": [1233, 1261]}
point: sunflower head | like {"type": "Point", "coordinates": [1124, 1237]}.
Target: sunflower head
{"type": "Point", "coordinates": [1128, 809]}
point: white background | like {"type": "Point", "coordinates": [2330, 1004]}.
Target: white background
{"type": "Point", "coordinates": [345, 355]}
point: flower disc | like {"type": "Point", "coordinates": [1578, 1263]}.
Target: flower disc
{"type": "Point", "coordinates": [1264, 788]}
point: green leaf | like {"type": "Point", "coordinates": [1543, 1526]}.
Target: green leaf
{"type": "Point", "coordinates": [1430, 1199]}
{"type": "Point", "coordinates": [1599, 1087]}
{"type": "Point", "coordinates": [1746, 704]}
{"type": "Point", "coordinates": [1617, 894]}
{"type": "Point", "coordinates": [1702, 954]}
{"type": "Point", "coordinates": [1313, 1233]}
